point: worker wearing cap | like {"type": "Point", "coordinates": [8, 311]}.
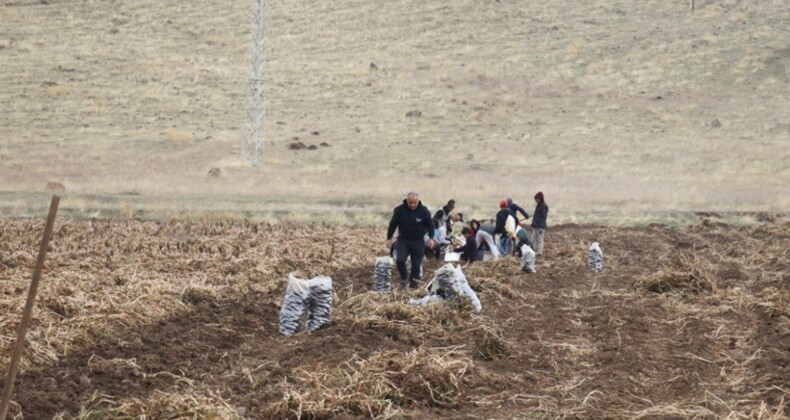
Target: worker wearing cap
{"type": "Point", "coordinates": [501, 226]}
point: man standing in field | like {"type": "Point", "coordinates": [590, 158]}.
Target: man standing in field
{"type": "Point", "coordinates": [539, 222]}
{"type": "Point", "coordinates": [443, 214]}
{"type": "Point", "coordinates": [516, 209]}
{"type": "Point", "coordinates": [413, 221]}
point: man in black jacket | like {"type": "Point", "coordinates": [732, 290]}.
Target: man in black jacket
{"type": "Point", "coordinates": [413, 221]}
{"type": "Point", "coordinates": [515, 208]}
{"type": "Point", "coordinates": [539, 222]}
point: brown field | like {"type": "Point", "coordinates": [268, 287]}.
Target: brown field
{"type": "Point", "coordinates": [179, 320]}
{"type": "Point", "coordinates": [661, 134]}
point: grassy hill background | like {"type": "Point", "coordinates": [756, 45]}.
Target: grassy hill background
{"type": "Point", "coordinates": [608, 107]}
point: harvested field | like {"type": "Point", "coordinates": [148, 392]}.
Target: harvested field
{"type": "Point", "coordinates": [137, 101]}
{"type": "Point", "coordinates": [179, 319]}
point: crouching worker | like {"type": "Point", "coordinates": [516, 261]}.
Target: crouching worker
{"type": "Point", "coordinates": [485, 239]}
{"type": "Point", "coordinates": [523, 239]}
{"type": "Point", "coordinates": [413, 221]}
{"type": "Point", "coordinates": [468, 251]}
{"type": "Point", "coordinates": [443, 234]}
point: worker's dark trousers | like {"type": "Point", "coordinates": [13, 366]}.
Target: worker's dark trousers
{"type": "Point", "coordinates": [415, 250]}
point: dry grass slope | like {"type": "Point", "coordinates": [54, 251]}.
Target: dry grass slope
{"type": "Point", "coordinates": [609, 106]}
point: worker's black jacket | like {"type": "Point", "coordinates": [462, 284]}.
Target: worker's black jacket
{"type": "Point", "coordinates": [501, 219]}
{"type": "Point", "coordinates": [412, 225]}
{"type": "Point", "coordinates": [540, 215]}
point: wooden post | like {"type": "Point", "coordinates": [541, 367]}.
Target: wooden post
{"type": "Point", "coordinates": [692, 7]}
{"type": "Point", "coordinates": [28, 311]}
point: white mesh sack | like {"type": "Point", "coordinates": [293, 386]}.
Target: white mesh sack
{"type": "Point", "coordinates": [319, 303]}
{"type": "Point", "coordinates": [448, 282]}
{"type": "Point", "coordinates": [294, 305]}
{"type": "Point", "coordinates": [445, 282]}
{"type": "Point", "coordinates": [313, 296]}
{"type": "Point", "coordinates": [527, 259]}
{"type": "Point", "coordinates": [466, 290]}
{"type": "Point", "coordinates": [595, 257]}
{"type": "Point", "coordinates": [382, 275]}
{"type": "Point", "coordinates": [434, 289]}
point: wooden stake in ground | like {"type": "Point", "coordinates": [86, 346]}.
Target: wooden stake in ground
{"type": "Point", "coordinates": [28, 311]}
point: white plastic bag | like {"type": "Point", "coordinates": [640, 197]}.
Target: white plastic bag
{"type": "Point", "coordinates": [467, 291]}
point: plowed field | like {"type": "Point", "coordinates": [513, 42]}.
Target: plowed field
{"type": "Point", "coordinates": [169, 319]}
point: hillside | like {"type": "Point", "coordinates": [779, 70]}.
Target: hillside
{"type": "Point", "coordinates": [610, 106]}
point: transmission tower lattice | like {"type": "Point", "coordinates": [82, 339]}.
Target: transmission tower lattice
{"type": "Point", "coordinates": [252, 145]}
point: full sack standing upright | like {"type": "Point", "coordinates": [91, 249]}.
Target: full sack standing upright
{"type": "Point", "coordinates": [595, 257]}
{"type": "Point", "coordinates": [382, 275]}
{"type": "Point", "coordinates": [313, 296]}
{"type": "Point", "coordinates": [527, 259]}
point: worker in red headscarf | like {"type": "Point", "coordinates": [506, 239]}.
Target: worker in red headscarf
{"type": "Point", "coordinates": [505, 230]}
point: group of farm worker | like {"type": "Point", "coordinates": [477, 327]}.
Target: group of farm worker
{"type": "Point", "coordinates": [418, 231]}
